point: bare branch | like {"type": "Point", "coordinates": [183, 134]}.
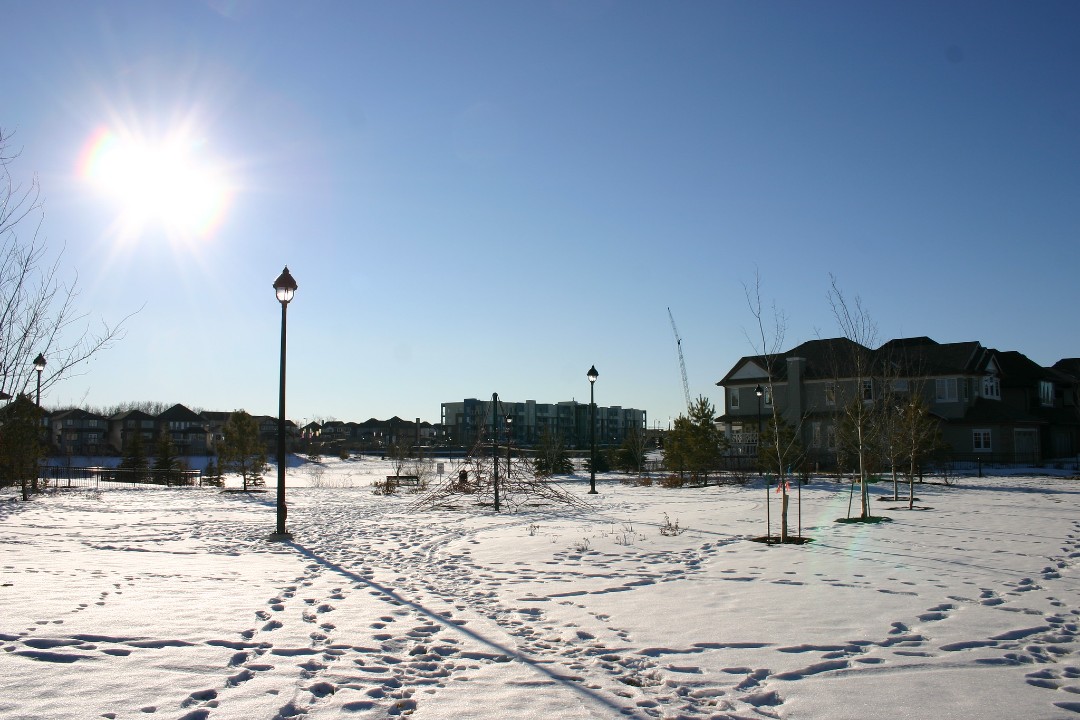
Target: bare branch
{"type": "Point", "coordinates": [38, 312]}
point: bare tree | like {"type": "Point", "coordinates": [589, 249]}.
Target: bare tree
{"type": "Point", "coordinates": [919, 435]}
{"type": "Point", "coordinates": [38, 313]}
{"type": "Point", "coordinates": [777, 450]}
{"type": "Point", "coordinates": [858, 430]}
{"type": "Point", "coordinates": [631, 456]}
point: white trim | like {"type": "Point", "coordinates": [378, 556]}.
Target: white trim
{"type": "Point", "coordinates": [750, 371]}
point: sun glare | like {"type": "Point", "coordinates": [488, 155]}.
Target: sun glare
{"type": "Point", "coordinates": [164, 183]}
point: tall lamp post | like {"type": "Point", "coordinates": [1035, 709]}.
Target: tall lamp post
{"type": "Point", "coordinates": [284, 289]}
{"type": "Point", "coordinates": [509, 441]}
{"type": "Point", "coordinates": [495, 447]}
{"type": "Point", "coordinates": [39, 366]}
{"type": "Point", "coordinates": [592, 375]}
{"type": "Point", "coordinates": [759, 392]}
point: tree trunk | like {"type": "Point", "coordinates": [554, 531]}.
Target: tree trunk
{"type": "Point", "coordinates": [911, 487]}
{"type": "Point", "coordinates": [783, 512]}
{"type": "Point", "coordinates": [768, 502]}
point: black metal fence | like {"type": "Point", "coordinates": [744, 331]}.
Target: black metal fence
{"type": "Point", "coordinates": [948, 463]}
{"type": "Point", "coordinates": [102, 477]}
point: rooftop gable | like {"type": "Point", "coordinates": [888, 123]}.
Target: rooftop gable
{"type": "Point", "coordinates": [180, 413]}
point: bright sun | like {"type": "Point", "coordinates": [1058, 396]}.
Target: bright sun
{"type": "Point", "coordinates": [164, 183]}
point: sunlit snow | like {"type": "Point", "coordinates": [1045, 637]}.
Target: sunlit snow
{"type": "Point", "coordinates": [172, 603]}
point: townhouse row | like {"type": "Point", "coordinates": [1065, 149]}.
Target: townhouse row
{"type": "Point", "coordinates": [79, 432]}
{"type": "Point", "coordinates": [989, 404]}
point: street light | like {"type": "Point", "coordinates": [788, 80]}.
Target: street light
{"type": "Point", "coordinates": [284, 289]}
{"type": "Point", "coordinates": [592, 375]}
{"type": "Point", "coordinates": [509, 441]}
{"type": "Point", "coordinates": [39, 365]}
{"type": "Point", "coordinates": [759, 392]}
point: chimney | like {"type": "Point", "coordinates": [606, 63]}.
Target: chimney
{"type": "Point", "coordinates": [793, 412]}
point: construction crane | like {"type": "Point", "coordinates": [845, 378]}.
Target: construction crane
{"type": "Point", "coordinates": [682, 363]}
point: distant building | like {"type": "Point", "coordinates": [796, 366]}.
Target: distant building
{"type": "Point", "coordinates": [188, 431]}
{"type": "Point", "coordinates": [78, 432]}
{"type": "Point", "coordinates": [466, 421]}
{"type": "Point", "coordinates": [123, 428]}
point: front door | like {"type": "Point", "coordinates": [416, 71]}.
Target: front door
{"type": "Point", "coordinates": [1026, 446]}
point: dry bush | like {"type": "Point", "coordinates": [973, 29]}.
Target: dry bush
{"type": "Point", "coordinates": [672, 481]}
{"type": "Point", "coordinates": [384, 487]}
{"type": "Point", "coordinates": [670, 529]}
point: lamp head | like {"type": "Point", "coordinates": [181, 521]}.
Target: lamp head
{"type": "Point", "coordinates": [285, 287]}
{"type": "Point", "coordinates": [592, 374]}
{"type": "Point", "coordinates": [39, 363]}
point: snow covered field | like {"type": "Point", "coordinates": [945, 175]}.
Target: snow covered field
{"type": "Point", "coordinates": [171, 603]}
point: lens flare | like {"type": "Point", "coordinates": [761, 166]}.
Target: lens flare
{"type": "Point", "coordinates": [164, 183]}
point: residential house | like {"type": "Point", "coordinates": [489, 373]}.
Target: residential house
{"type": "Point", "coordinates": [187, 429]}
{"type": "Point", "coordinates": [79, 432]}
{"type": "Point", "coordinates": [334, 430]}
{"type": "Point", "coordinates": [989, 404]}
{"type": "Point", "coordinates": [215, 425]}
{"type": "Point", "coordinates": [126, 425]}
{"type": "Point", "coordinates": [268, 430]}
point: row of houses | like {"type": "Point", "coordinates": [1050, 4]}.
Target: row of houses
{"type": "Point", "coordinates": [990, 404]}
{"type": "Point", "coordinates": [373, 433]}
{"type": "Point", "coordinates": [77, 432]}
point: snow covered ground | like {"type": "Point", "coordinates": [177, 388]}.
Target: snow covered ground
{"type": "Point", "coordinates": [172, 603]}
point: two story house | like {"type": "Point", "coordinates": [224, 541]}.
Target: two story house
{"type": "Point", "coordinates": [79, 432]}
{"type": "Point", "coordinates": [988, 404]}
{"type": "Point", "coordinates": [123, 427]}
{"type": "Point", "coordinates": [188, 430]}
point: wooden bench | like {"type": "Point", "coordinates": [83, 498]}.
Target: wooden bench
{"type": "Point", "coordinates": [403, 480]}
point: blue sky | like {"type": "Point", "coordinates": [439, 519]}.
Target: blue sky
{"type": "Point", "coordinates": [480, 197]}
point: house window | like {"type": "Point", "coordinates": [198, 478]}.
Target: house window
{"type": "Point", "coordinates": [946, 389]}
{"type": "Point", "coordinates": [1046, 393]}
{"type": "Point", "coordinates": [768, 396]}
{"type": "Point", "coordinates": [733, 403]}
{"type": "Point", "coordinates": [992, 387]}
{"type": "Point", "coordinates": [980, 440]}
{"type": "Point", "coordinates": [830, 437]}
{"type": "Point", "coordinates": [867, 390]}
{"type": "Point", "coordinates": [815, 439]}
{"type": "Point", "coordinates": [830, 393]}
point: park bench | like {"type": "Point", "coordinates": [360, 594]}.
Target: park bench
{"type": "Point", "coordinates": [403, 480]}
